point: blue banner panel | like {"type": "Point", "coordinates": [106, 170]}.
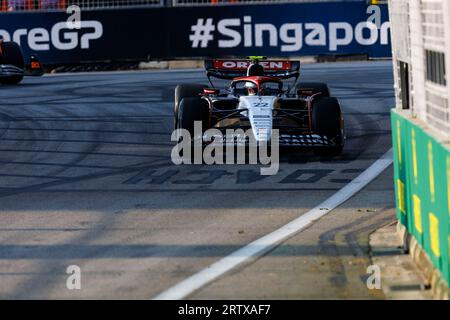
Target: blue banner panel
{"type": "Point", "coordinates": [218, 31]}
{"type": "Point", "coordinates": [282, 30]}
{"type": "Point", "coordinates": [102, 36]}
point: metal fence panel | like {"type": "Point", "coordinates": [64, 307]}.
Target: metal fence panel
{"type": "Point", "coordinates": [421, 37]}
{"type": "Point", "coordinates": [61, 5]}
{"type": "Point", "coordinates": [234, 2]}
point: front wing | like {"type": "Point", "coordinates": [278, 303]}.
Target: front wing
{"type": "Point", "coordinates": [35, 70]}
{"type": "Point", "coordinates": [7, 70]}
{"type": "Point", "coordinates": [293, 135]}
{"type": "Point", "coordinates": [299, 140]}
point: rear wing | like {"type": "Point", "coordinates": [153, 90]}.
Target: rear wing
{"type": "Point", "coordinates": [230, 69]}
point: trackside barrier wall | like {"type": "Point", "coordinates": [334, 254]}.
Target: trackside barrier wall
{"type": "Point", "coordinates": [421, 123]}
{"type": "Point", "coordinates": [294, 29]}
{"type": "Point", "coordinates": [422, 187]}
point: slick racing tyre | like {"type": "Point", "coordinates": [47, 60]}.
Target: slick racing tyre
{"type": "Point", "coordinates": [327, 121]}
{"type": "Point", "coordinates": [192, 110]}
{"type": "Point", "coordinates": [312, 88]}
{"type": "Point", "coordinates": [11, 54]}
{"type": "Point", "coordinates": [185, 91]}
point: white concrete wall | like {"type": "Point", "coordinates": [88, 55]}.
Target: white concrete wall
{"type": "Point", "coordinates": [399, 17]}
{"type": "Point", "coordinates": [417, 61]}
{"type": "Point", "coordinates": [417, 26]}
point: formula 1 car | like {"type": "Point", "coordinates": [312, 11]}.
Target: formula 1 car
{"type": "Point", "coordinates": [12, 64]}
{"type": "Point", "coordinates": [304, 113]}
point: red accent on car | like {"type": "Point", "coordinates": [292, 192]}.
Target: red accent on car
{"type": "Point", "coordinates": [211, 91]}
{"type": "Point", "coordinates": [310, 117]}
{"type": "Point", "coordinates": [35, 65]}
{"type": "Point", "coordinates": [258, 80]}
{"type": "Point", "coordinates": [244, 64]}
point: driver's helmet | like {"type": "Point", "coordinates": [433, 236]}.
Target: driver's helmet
{"type": "Point", "coordinates": [252, 89]}
{"type": "Point", "coordinates": [255, 69]}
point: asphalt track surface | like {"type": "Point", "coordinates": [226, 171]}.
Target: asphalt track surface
{"type": "Point", "coordinates": [86, 179]}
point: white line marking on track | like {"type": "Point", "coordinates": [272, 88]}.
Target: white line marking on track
{"type": "Point", "coordinates": [262, 245]}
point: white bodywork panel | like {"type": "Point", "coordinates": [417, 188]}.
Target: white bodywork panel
{"type": "Point", "coordinates": [260, 114]}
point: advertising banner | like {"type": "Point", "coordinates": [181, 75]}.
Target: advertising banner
{"type": "Point", "coordinates": [194, 32]}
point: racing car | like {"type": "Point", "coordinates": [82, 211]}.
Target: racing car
{"type": "Point", "coordinates": [12, 64]}
{"type": "Point", "coordinates": [256, 98]}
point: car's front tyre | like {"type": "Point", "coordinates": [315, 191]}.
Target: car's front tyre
{"type": "Point", "coordinates": [192, 110]}
{"type": "Point", "coordinates": [12, 55]}
{"type": "Point", "coordinates": [185, 91]}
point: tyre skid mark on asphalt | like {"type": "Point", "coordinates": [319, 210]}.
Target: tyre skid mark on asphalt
{"type": "Point", "coordinates": [88, 141]}
{"type": "Point", "coordinates": [165, 133]}
{"type": "Point", "coordinates": [86, 190]}
{"type": "Point", "coordinates": [116, 172]}
{"type": "Point", "coordinates": [87, 118]}
{"type": "Point", "coordinates": [328, 245]}
{"type": "Point", "coordinates": [100, 154]}
{"type": "Point", "coordinates": [86, 177]}
{"type": "Point", "coordinates": [5, 118]}
{"type": "Point", "coordinates": [266, 243]}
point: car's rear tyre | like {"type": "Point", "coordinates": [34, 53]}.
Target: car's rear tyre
{"type": "Point", "coordinates": [312, 88]}
{"type": "Point", "coordinates": [185, 91]}
{"type": "Point", "coordinates": [327, 121]}
{"type": "Point", "coordinates": [12, 54]}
